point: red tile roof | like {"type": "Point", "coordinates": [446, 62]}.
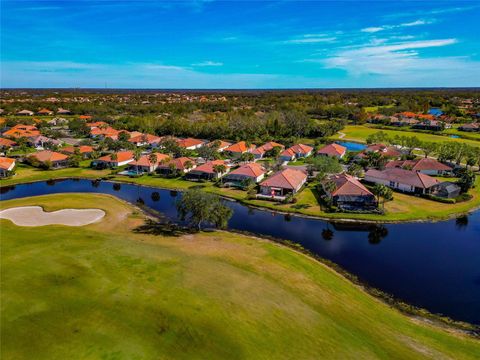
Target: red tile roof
{"type": "Point", "coordinates": [332, 150]}
{"type": "Point", "coordinates": [267, 147]}
{"type": "Point", "coordinates": [208, 167]}
{"type": "Point", "coordinates": [419, 165]}
{"type": "Point", "coordinates": [297, 149]}
{"type": "Point", "coordinates": [97, 124]}
{"type": "Point", "coordinates": [21, 130]}
{"type": "Point", "coordinates": [348, 185]}
{"type": "Point", "coordinates": [286, 179]}
{"type": "Point", "coordinates": [250, 169]}
{"type": "Point", "coordinates": [402, 176]}
{"type": "Point", "coordinates": [178, 162]}
{"type": "Point", "coordinates": [150, 139]}
{"type": "Point", "coordinates": [6, 163]}
{"type": "Point", "coordinates": [47, 155]}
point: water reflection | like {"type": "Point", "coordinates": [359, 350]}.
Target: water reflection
{"type": "Point", "coordinates": [173, 193]}
{"type": "Point", "coordinates": [461, 222]}
{"type": "Point", "coordinates": [6, 189]}
{"type": "Point", "coordinates": [327, 234]}
{"type": "Point", "coordinates": [155, 196]}
{"type": "Point", "coordinates": [117, 187]}
{"type": "Point", "coordinates": [377, 233]}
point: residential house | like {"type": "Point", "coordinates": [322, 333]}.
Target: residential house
{"type": "Point", "coordinates": [121, 158]}
{"type": "Point", "coordinates": [424, 165]}
{"type": "Point", "coordinates": [20, 130]}
{"type": "Point", "coordinates": [178, 165]}
{"type": "Point", "coordinates": [239, 148]}
{"type": "Point", "coordinates": [145, 140]}
{"type": "Point", "coordinates": [84, 151]}
{"type": "Point", "coordinates": [207, 171]}
{"type": "Point", "coordinates": [44, 112]}
{"type": "Point", "coordinates": [473, 127]}
{"type": "Point", "coordinates": [349, 193]}
{"type": "Point", "coordinates": [248, 172]}
{"type": "Point", "coordinates": [6, 166]}
{"type": "Point", "coordinates": [403, 180]}
{"type": "Point", "coordinates": [103, 132]}
{"type": "Point", "coordinates": [260, 151]}
{"type": "Point", "coordinates": [222, 145]}
{"type": "Point", "coordinates": [385, 151]}
{"type": "Point", "coordinates": [333, 150]}
{"type": "Point", "coordinates": [433, 125]}
{"type": "Point", "coordinates": [7, 144]}
{"type": "Point", "coordinates": [296, 152]}
{"type": "Point", "coordinates": [25, 113]}
{"type": "Point", "coordinates": [61, 111]}
{"type": "Point", "coordinates": [40, 141]}
{"type": "Point", "coordinates": [56, 159]}
{"type": "Point", "coordinates": [143, 165]}
{"type": "Point", "coordinates": [190, 143]}
{"type": "Point", "coordinates": [282, 183]}
{"type": "Point", "coordinates": [85, 117]}
{"type": "Point", "coordinates": [435, 112]}
{"type": "Point", "coordinates": [97, 124]}
{"type": "Point", "coordinates": [447, 190]}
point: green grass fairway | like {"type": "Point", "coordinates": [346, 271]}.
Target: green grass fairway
{"type": "Point", "coordinates": [103, 291]}
{"type": "Point", "coordinates": [360, 133]}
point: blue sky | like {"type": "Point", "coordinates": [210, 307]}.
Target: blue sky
{"type": "Point", "coordinates": [228, 44]}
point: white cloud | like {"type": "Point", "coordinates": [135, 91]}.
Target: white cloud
{"type": "Point", "coordinates": [375, 29]}
{"type": "Point", "coordinates": [311, 39]}
{"type": "Point", "coordinates": [390, 59]}
{"type": "Point", "coordinates": [208, 63]}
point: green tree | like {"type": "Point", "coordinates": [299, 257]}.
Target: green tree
{"type": "Point", "coordinates": [384, 192]}
{"type": "Point", "coordinates": [466, 179]}
{"type": "Point", "coordinates": [199, 207]}
{"type": "Point", "coordinates": [219, 169]}
{"type": "Point", "coordinates": [429, 148]}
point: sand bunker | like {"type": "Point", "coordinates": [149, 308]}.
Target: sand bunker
{"type": "Point", "coordinates": [36, 216]}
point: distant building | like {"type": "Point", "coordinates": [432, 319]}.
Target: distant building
{"type": "Point", "coordinates": [426, 166]}
{"type": "Point", "coordinates": [296, 152]}
{"type": "Point", "coordinates": [25, 113]}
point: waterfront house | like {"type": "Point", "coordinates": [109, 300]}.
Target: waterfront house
{"type": "Point", "coordinates": [178, 165]}
{"type": "Point", "coordinates": [349, 193]}
{"type": "Point", "coordinates": [424, 165]}
{"type": "Point", "coordinates": [403, 180]}
{"type": "Point", "coordinates": [207, 171]}
{"type": "Point", "coordinates": [296, 152]}
{"type": "Point", "coordinates": [473, 127]}
{"type": "Point", "coordinates": [143, 165]}
{"type": "Point", "coordinates": [56, 159]}
{"type": "Point", "coordinates": [279, 185]}
{"type": "Point", "coordinates": [121, 158]}
{"type": "Point", "coordinates": [248, 172]}
{"type": "Point", "coordinates": [6, 166]}
{"type": "Point", "coordinates": [333, 150]}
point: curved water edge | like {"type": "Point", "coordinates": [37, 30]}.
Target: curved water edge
{"type": "Point", "coordinates": [429, 265]}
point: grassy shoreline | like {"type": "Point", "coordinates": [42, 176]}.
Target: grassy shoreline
{"type": "Point", "coordinates": [404, 208]}
{"type": "Point", "coordinates": [320, 312]}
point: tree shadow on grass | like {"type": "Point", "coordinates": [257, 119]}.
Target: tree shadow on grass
{"type": "Point", "coordinates": [163, 228]}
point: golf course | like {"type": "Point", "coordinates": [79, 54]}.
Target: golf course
{"type": "Point", "coordinates": [122, 288]}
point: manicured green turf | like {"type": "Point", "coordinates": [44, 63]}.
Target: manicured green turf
{"type": "Point", "coordinates": [361, 132]}
{"type": "Point", "coordinates": [104, 292]}
{"type": "Point", "coordinates": [402, 208]}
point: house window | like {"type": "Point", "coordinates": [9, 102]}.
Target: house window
{"type": "Point", "coordinates": [392, 184]}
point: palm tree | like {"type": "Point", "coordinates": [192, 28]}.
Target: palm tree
{"type": "Point", "coordinates": [114, 157]}
{"type": "Point", "coordinates": [136, 156]}
{"type": "Point", "coordinates": [219, 169]}
{"type": "Point", "coordinates": [152, 159]}
{"type": "Point", "coordinates": [382, 191]}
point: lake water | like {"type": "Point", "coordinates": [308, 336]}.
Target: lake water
{"type": "Point", "coordinates": [352, 146]}
{"type": "Point", "coordinates": [432, 265]}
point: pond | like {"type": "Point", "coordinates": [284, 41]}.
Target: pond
{"type": "Point", "coordinates": [432, 265]}
{"type": "Point", "coordinates": [352, 146]}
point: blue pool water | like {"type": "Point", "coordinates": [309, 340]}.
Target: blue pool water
{"type": "Point", "coordinates": [352, 146]}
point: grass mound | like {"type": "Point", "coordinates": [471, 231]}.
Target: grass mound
{"type": "Point", "coordinates": [106, 291]}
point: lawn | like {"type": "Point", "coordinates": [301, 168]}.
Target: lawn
{"type": "Point", "coordinates": [402, 208]}
{"type": "Point", "coordinates": [103, 291]}
{"type": "Point", "coordinates": [360, 133]}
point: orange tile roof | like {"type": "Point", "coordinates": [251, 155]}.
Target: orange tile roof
{"type": "Point", "coordinates": [47, 155]}
{"type": "Point", "coordinates": [82, 149]}
{"type": "Point", "coordinates": [6, 163]}
{"type": "Point", "coordinates": [7, 143]}
{"type": "Point", "coordinates": [121, 157]}
{"type": "Point", "coordinates": [285, 179]}
{"type": "Point", "coordinates": [20, 132]}
{"type": "Point", "coordinates": [240, 147]}
{"type": "Point", "coordinates": [97, 124]}
{"type": "Point", "coordinates": [85, 117]}
{"type": "Point", "coordinates": [178, 162]}
{"type": "Point", "coordinates": [150, 139]}
{"type": "Point", "coordinates": [208, 167]}
{"type": "Point", "coordinates": [267, 147]}
{"type": "Point", "coordinates": [188, 142]}
{"type": "Point", "coordinates": [44, 111]}
{"type": "Point", "coordinates": [222, 144]}
{"type": "Point", "coordinates": [109, 131]}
